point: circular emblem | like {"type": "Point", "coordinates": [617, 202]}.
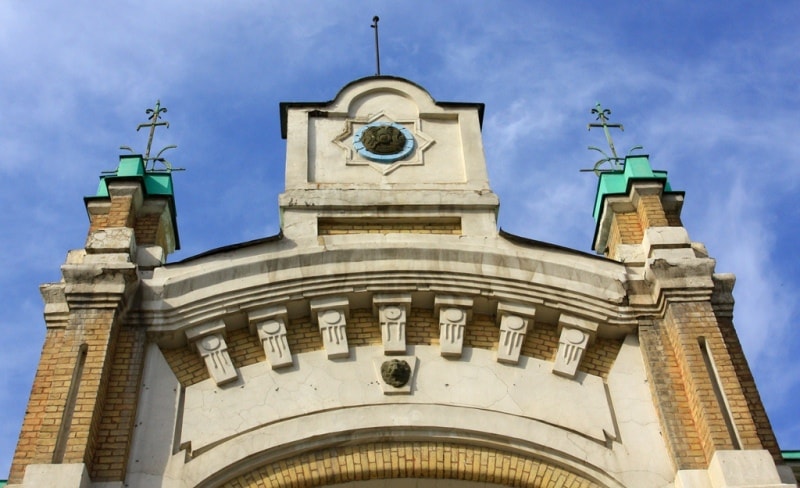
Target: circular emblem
{"type": "Point", "coordinates": [514, 322]}
{"type": "Point", "coordinates": [396, 372]}
{"type": "Point", "coordinates": [393, 313]}
{"type": "Point", "coordinates": [210, 343]}
{"type": "Point", "coordinates": [331, 317]}
{"type": "Point", "coordinates": [383, 142]}
{"type": "Point", "coordinates": [454, 314]}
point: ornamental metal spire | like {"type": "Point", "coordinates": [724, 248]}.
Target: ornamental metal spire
{"type": "Point", "coordinates": [154, 121]}
{"type": "Point", "coordinates": [616, 162]}
{"type": "Point", "coordinates": [377, 47]}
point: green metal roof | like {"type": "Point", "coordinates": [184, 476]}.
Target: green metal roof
{"type": "Point", "coordinates": [616, 182]}
{"type": "Point", "coordinates": [132, 166]}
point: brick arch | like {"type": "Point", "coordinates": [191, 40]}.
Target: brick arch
{"type": "Point", "coordinates": [409, 460]}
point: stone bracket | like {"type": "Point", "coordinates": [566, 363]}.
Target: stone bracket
{"type": "Point", "coordinates": [576, 335]}
{"type": "Point", "coordinates": [454, 313]}
{"type": "Point", "coordinates": [331, 314]}
{"type": "Point", "coordinates": [270, 325]}
{"type": "Point", "coordinates": [392, 311]}
{"type": "Point", "coordinates": [209, 341]}
{"type": "Point", "coordinates": [514, 320]}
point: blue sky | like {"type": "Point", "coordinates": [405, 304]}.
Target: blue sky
{"type": "Point", "coordinates": [710, 89]}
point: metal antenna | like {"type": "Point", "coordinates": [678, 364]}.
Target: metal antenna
{"type": "Point", "coordinates": [377, 47]}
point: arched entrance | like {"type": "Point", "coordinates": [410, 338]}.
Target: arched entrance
{"type": "Point", "coordinates": [406, 465]}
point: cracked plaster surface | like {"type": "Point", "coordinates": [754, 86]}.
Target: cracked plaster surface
{"type": "Point", "coordinates": [315, 384]}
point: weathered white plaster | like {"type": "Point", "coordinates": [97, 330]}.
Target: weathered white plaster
{"type": "Point", "coordinates": [744, 469]}
{"type": "Point", "coordinates": [639, 452]}
{"type": "Point", "coordinates": [73, 475]}
{"type": "Point", "coordinates": [436, 423]}
{"type": "Point", "coordinates": [156, 416]}
{"type": "Point", "coordinates": [314, 384]}
{"type": "Point", "coordinates": [111, 240]}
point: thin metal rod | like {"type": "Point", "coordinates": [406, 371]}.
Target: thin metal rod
{"type": "Point", "coordinates": [377, 47]}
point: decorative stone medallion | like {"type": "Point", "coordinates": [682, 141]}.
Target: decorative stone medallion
{"type": "Point", "coordinates": [383, 142]}
{"type": "Point", "coordinates": [396, 372]}
{"type": "Point", "coordinates": [395, 376]}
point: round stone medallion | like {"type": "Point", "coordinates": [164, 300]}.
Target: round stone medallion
{"type": "Point", "coordinates": [514, 322]}
{"type": "Point", "coordinates": [383, 142]}
{"type": "Point", "coordinates": [392, 312]}
{"type": "Point", "coordinates": [454, 314]}
{"type": "Point", "coordinates": [210, 343]}
{"type": "Point", "coordinates": [396, 372]}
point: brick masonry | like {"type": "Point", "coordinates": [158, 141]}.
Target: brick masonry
{"type": "Point", "coordinates": [409, 460]}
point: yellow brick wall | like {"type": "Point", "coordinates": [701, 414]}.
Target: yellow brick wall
{"type": "Point", "coordinates": [409, 460]}
{"type": "Point", "coordinates": [388, 226]}
{"type": "Point", "coordinates": [671, 399]}
{"type": "Point", "coordinates": [651, 212]}
{"type": "Point", "coordinates": [115, 431]}
{"type": "Point", "coordinates": [682, 383]}
{"type": "Point", "coordinates": [53, 430]}
{"type": "Point", "coordinates": [748, 384]}
{"type": "Point", "coordinates": [120, 214]}
{"type": "Point", "coordinates": [34, 425]}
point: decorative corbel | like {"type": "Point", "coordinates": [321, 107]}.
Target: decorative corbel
{"type": "Point", "coordinates": [576, 335]}
{"type": "Point", "coordinates": [392, 311]}
{"type": "Point", "coordinates": [514, 321]}
{"type": "Point", "coordinates": [454, 313]}
{"type": "Point", "coordinates": [209, 341]}
{"type": "Point", "coordinates": [331, 314]}
{"type": "Point", "coordinates": [270, 325]}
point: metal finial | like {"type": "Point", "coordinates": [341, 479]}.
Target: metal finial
{"type": "Point", "coordinates": [616, 162]}
{"type": "Point", "coordinates": [377, 47]}
{"type": "Point", "coordinates": [153, 122]}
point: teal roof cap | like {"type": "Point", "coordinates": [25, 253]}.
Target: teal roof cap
{"type": "Point", "coordinates": [132, 166]}
{"type": "Point", "coordinates": [617, 182]}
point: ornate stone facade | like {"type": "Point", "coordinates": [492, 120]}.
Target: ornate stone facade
{"type": "Point", "coordinates": [392, 333]}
